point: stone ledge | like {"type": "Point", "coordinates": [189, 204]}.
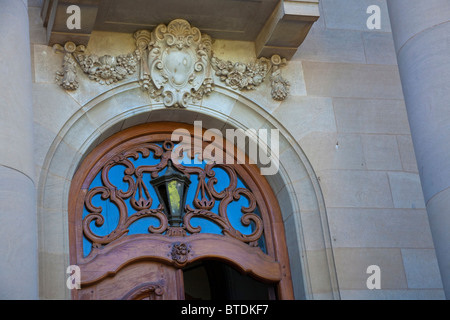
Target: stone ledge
{"type": "Point", "coordinates": [276, 27]}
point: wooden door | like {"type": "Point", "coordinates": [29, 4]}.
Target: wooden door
{"type": "Point", "coordinates": [126, 248]}
{"type": "Point", "coordinates": [142, 280]}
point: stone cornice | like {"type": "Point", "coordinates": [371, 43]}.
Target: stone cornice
{"type": "Point", "coordinates": [274, 26]}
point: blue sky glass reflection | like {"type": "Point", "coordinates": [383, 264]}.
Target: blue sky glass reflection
{"type": "Point", "coordinates": [111, 211]}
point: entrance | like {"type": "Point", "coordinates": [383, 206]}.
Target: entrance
{"type": "Point", "coordinates": [213, 280]}
{"type": "Point", "coordinates": [146, 225]}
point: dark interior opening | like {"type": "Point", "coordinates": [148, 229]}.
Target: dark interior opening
{"type": "Point", "coordinates": [214, 280]}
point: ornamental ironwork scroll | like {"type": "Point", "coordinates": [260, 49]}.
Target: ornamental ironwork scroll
{"type": "Point", "coordinates": [175, 64]}
{"type": "Point", "coordinates": [140, 201]}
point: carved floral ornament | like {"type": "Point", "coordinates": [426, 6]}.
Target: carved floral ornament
{"type": "Point", "coordinates": [175, 64]}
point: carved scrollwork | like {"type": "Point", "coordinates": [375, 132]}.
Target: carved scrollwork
{"type": "Point", "coordinates": [176, 62]}
{"type": "Point", "coordinates": [136, 197]}
{"type": "Point", "coordinates": [107, 69]}
{"type": "Point", "coordinates": [280, 86]}
{"type": "Point", "coordinates": [176, 59]}
{"type": "Point", "coordinates": [137, 194]}
{"type": "Point", "coordinates": [146, 291]}
{"type": "Point", "coordinates": [240, 76]}
{"type": "Point", "coordinates": [67, 78]}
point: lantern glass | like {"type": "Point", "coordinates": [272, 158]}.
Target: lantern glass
{"type": "Point", "coordinates": [174, 189]}
{"type": "Point", "coordinates": [171, 189]}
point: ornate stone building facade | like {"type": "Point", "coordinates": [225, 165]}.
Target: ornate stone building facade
{"type": "Point", "coordinates": [359, 98]}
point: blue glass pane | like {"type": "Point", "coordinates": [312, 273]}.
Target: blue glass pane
{"type": "Point", "coordinates": [111, 212]}
{"type": "Point", "coordinates": [192, 189]}
{"type": "Point", "coordinates": [141, 225]}
{"type": "Point", "coordinates": [235, 214]}
{"type": "Point", "coordinates": [87, 246]}
{"type": "Point", "coordinates": [188, 162]}
{"type": "Point", "coordinates": [146, 177]}
{"type": "Point", "coordinates": [116, 175]}
{"type": "Point", "coordinates": [262, 240]}
{"type": "Point", "coordinates": [223, 180]}
{"type": "Point", "coordinates": [97, 182]}
{"type": "Point", "coordinates": [206, 225]}
{"type": "Point", "coordinates": [149, 161]}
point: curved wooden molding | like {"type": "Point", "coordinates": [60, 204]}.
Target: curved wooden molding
{"type": "Point", "coordinates": [149, 290]}
{"type": "Point", "coordinates": [248, 260]}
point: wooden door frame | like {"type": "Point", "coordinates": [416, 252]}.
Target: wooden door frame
{"type": "Point", "coordinates": [272, 267]}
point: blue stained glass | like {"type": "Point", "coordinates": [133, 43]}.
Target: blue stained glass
{"type": "Point", "coordinates": [141, 225]}
{"type": "Point", "coordinates": [223, 180]}
{"type": "Point", "coordinates": [235, 215]}
{"type": "Point", "coordinates": [116, 175]}
{"type": "Point", "coordinates": [87, 247]}
{"type": "Point", "coordinates": [110, 211]}
{"type": "Point", "coordinates": [206, 225]}
{"type": "Point", "coordinates": [97, 182]}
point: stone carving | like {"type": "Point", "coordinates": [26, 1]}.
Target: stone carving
{"type": "Point", "coordinates": [176, 62]}
{"type": "Point", "coordinates": [107, 69]}
{"type": "Point", "coordinates": [67, 78]}
{"type": "Point", "coordinates": [280, 86]}
{"type": "Point", "coordinates": [143, 38]}
{"type": "Point", "coordinates": [240, 76]}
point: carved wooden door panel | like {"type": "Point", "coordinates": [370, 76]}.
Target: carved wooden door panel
{"type": "Point", "coordinates": [124, 233]}
{"type": "Point", "coordinates": [143, 280]}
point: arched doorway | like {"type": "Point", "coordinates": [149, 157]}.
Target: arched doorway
{"type": "Point", "coordinates": [141, 221]}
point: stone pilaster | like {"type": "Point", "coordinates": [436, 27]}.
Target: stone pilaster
{"type": "Point", "coordinates": [18, 227]}
{"type": "Point", "coordinates": [421, 31]}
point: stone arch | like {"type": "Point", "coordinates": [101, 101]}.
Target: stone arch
{"type": "Point", "coordinates": [295, 184]}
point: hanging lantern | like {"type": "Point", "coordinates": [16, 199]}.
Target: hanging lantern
{"type": "Point", "coordinates": [171, 189]}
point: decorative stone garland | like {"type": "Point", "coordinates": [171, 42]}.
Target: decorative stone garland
{"type": "Point", "coordinates": [176, 62]}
